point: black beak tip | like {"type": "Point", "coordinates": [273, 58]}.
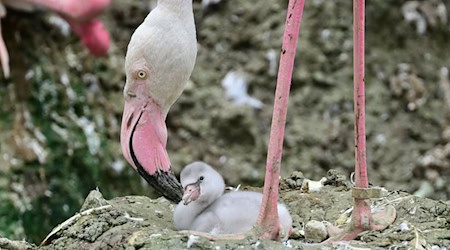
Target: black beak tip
{"type": "Point", "coordinates": [166, 184]}
{"type": "Point", "coordinates": [169, 186]}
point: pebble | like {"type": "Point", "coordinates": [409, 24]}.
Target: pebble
{"type": "Point", "coordinates": [315, 231]}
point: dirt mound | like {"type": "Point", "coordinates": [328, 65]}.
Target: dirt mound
{"type": "Point", "coordinates": [138, 222]}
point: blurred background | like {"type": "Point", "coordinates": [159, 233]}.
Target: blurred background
{"type": "Point", "coordinates": [60, 111]}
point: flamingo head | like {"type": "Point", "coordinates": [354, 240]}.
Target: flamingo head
{"type": "Point", "coordinates": [160, 58]}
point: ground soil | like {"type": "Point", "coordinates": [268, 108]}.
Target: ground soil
{"type": "Point", "coordinates": [408, 135]}
{"type": "Point", "coordinates": [138, 222]}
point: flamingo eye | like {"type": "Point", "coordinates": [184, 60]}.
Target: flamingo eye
{"type": "Point", "coordinates": [201, 178]}
{"type": "Point", "coordinates": [141, 74]}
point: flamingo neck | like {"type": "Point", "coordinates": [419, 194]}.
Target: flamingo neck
{"type": "Point", "coordinates": [181, 7]}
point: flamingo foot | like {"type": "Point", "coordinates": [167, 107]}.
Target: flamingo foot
{"type": "Point", "coordinates": [269, 225]}
{"type": "Point", "coordinates": [271, 232]}
{"type": "Point", "coordinates": [268, 231]}
{"type": "Point", "coordinates": [363, 219]}
{"type": "Point", "coordinates": [383, 218]}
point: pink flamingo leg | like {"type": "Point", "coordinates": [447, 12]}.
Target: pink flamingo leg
{"type": "Point", "coordinates": [268, 222]}
{"type": "Point", "coordinates": [79, 10]}
{"type": "Point", "coordinates": [361, 209]}
{"type": "Point", "coordinates": [93, 35]}
{"type": "Point", "coordinates": [80, 14]}
{"type": "Point", "coordinates": [4, 56]}
{"type": "Point", "coordinates": [362, 217]}
{"type": "Point", "coordinates": [358, 95]}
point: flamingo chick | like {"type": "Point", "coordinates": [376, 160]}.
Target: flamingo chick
{"type": "Point", "coordinates": [159, 61]}
{"type": "Point", "coordinates": [205, 208]}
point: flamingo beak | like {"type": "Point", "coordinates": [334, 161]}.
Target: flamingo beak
{"type": "Point", "coordinates": [143, 140]}
{"type": "Point", "coordinates": [191, 193]}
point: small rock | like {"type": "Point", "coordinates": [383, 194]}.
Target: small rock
{"type": "Point", "coordinates": [94, 199]}
{"type": "Point", "coordinates": [294, 181]}
{"type": "Point", "coordinates": [334, 178]}
{"type": "Point", "coordinates": [12, 244]}
{"type": "Point", "coordinates": [315, 231]}
{"type": "Point", "coordinates": [404, 226]}
{"type": "Point", "coordinates": [312, 186]}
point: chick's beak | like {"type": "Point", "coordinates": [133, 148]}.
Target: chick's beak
{"type": "Point", "coordinates": [191, 193]}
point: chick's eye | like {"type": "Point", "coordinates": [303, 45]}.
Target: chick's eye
{"type": "Point", "coordinates": [141, 74]}
{"type": "Point", "coordinates": [201, 178]}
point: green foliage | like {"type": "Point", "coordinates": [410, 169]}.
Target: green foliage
{"type": "Point", "coordinates": [79, 155]}
{"type": "Point", "coordinates": [10, 221]}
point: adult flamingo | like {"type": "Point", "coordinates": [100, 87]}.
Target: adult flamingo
{"type": "Point", "coordinates": [80, 14]}
{"type": "Point", "coordinates": [143, 136]}
{"type": "Point", "coordinates": [159, 61]}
